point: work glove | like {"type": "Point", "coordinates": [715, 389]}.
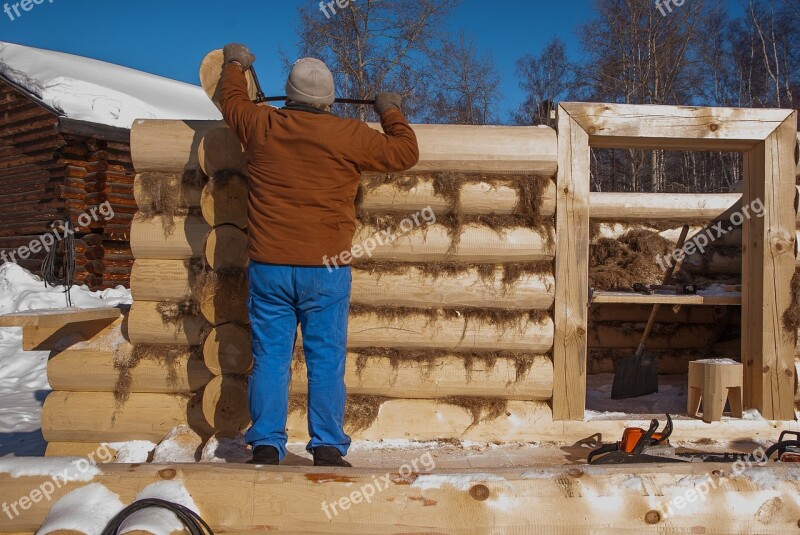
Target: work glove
{"type": "Point", "coordinates": [240, 54]}
{"type": "Point", "coordinates": [387, 101]}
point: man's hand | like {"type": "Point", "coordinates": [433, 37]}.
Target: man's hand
{"type": "Point", "coordinates": [240, 54]}
{"type": "Point", "coordinates": [387, 101]}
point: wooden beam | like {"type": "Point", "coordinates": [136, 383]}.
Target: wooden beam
{"type": "Point", "coordinates": [240, 498]}
{"type": "Point", "coordinates": [418, 331]}
{"type": "Point", "coordinates": [650, 206]}
{"type": "Point", "coordinates": [442, 377]}
{"type": "Point", "coordinates": [152, 238]}
{"type": "Point", "coordinates": [477, 244]}
{"type": "Point", "coordinates": [98, 417]}
{"type": "Point", "coordinates": [168, 145]}
{"type": "Point", "coordinates": [729, 298]}
{"type": "Point", "coordinates": [84, 370]}
{"type": "Point", "coordinates": [768, 266]}
{"type": "Point", "coordinates": [674, 127]}
{"type": "Point", "coordinates": [57, 318]}
{"type": "Point", "coordinates": [495, 195]}
{"type": "Point", "coordinates": [413, 288]}
{"type": "Point", "coordinates": [572, 270]}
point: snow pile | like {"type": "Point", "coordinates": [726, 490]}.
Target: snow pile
{"type": "Point", "coordinates": [181, 445]}
{"type": "Point", "coordinates": [720, 361]}
{"type": "Point", "coordinates": [23, 376]}
{"type": "Point", "coordinates": [134, 451]}
{"type": "Point", "coordinates": [88, 510]}
{"type": "Point", "coordinates": [101, 92]}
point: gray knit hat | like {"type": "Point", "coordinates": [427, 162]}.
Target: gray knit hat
{"type": "Point", "coordinates": [310, 82]}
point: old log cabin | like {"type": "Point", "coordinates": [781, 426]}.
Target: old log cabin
{"type": "Point", "coordinates": [65, 150]}
{"type": "Point", "coordinates": [53, 167]}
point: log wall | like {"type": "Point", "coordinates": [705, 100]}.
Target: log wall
{"type": "Point", "coordinates": [458, 319]}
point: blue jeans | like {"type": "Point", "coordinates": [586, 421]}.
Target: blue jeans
{"type": "Point", "coordinates": [318, 299]}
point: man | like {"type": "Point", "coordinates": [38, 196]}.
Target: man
{"type": "Point", "coordinates": [305, 165]}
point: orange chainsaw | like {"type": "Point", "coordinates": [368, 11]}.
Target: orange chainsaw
{"type": "Point", "coordinates": [649, 446]}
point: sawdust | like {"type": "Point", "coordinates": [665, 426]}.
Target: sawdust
{"type": "Point", "coordinates": [481, 409]}
{"type": "Point", "coordinates": [618, 264]}
{"type": "Point", "coordinates": [435, 270]}
{"type": "Point", "coordinates": [360, 411]}
{"type": "Point", "coordinates": [427, 359]}
{"type": "Point", "coordinates": [174, 312]}
{"type": "Point", "coordinates": [228, 284]}
{"type": "Point", "coordinates": [527, 213]}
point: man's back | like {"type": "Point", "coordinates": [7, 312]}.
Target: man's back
{"type": "Point", "coordinates": [304, 167]}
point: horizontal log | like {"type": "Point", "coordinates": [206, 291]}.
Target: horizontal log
{"type": "Point", "coordinates": [151, 322]}
{"type": "Point", "coordinates": [442, 377]}
{"type": "Point", "coordinates": [641, 313]}
{"type": "Point", "coordinates": [168, 146]}
{"type": "Point", "coordinates": [95, 371]}
{"type": "Point", "coordinates": [78, 449]}
{"type": "Point", "coordinates": [165, 145]}
{"type": "Point", "coordinates": [433, 243]}
{"type": "Point", "coordinates": [162, 280]}
{"type": "Point", "coordinates": [97, 417]}
{"type": "Point", "coordinates": [413, 288]}
{"type": "Point", "coordinates": [146, 325]}
{"type": "Point", "coordinates": [418, 331]}
{"type": "Point", "coordinates": [496, 196]}
{"type": "Point", "coordinates": [175, 280]}
{"type": "Point", "coordinates": [677, 337]}
{"type": "Point", "coordinates": [649, 206]}
{"type": "Point", "coordinates": [435, 499]}
{"type": "Point", "coordinates": [670, 361]}
{"type": "Point", "coordinates": [149, 239]}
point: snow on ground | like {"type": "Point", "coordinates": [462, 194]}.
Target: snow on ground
{"type": "Point", "coordinates": [101, 92]}
{"type": "Point", "coordinates": [23, 376]}
{"type": "Point", "coordinates": [671, 398]}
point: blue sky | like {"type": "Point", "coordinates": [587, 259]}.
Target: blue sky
{"type": "Point", "coordinates": [169, 38]}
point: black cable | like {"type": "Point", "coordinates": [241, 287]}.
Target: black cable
{"type": "Point", "coordinates": [66, 275]}
{"type": "Point", "coordinates": [191, 520]}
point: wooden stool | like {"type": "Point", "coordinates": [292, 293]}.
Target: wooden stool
{"type": "Point", "coordinates": [715, 382]}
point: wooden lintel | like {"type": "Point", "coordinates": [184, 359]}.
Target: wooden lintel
{"type": "Point", "coordinates": [674, 127]}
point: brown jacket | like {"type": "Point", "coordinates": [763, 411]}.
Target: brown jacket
{"type": "Point", "coordinates": [304, 170]}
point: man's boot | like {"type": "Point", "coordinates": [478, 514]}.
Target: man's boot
{"type": "Point", "coordinates": [265, 455]}
{"type": "Point", "coordinates": [329, 456]}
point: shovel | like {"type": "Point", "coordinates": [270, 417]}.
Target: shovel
{"type": "Point", "coordinates": [637, 375]}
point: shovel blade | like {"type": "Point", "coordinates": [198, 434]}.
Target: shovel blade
{"type": "Point", "coordinates": [635, 376]}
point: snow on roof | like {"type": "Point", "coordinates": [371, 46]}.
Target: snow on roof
{"type": "Point", "coordinates": [99, 92]}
